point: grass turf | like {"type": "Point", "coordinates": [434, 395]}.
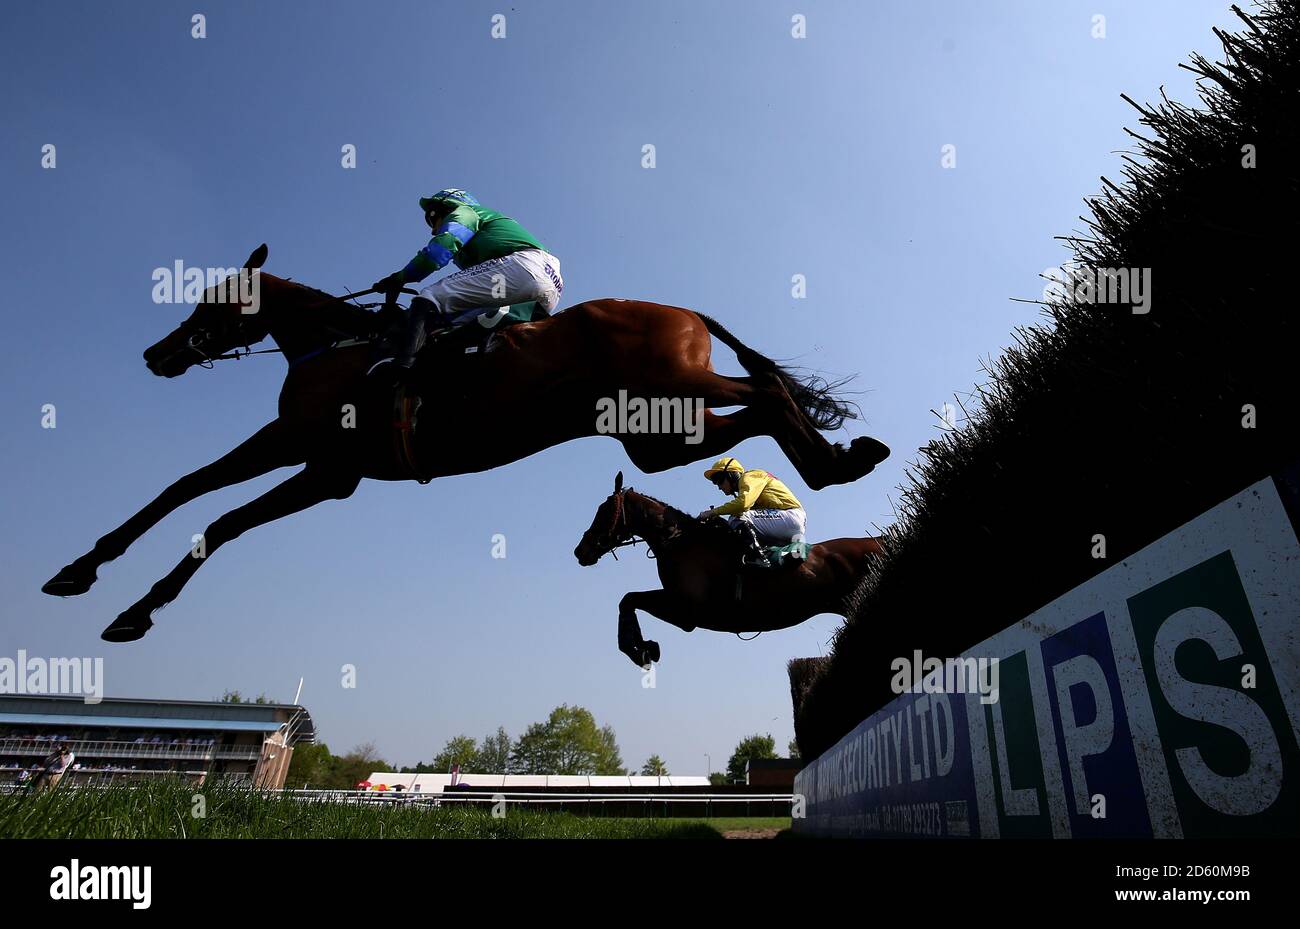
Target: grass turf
{"type": "Point", "coordinates": [170, 809]}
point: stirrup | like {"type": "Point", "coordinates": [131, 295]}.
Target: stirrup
{"type": "Point", "coordinates": [755, 559]}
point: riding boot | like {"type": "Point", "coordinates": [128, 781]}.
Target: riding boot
{"type": "Point", "coordinates": [408, 342]}
{"type": "Point", "coordinates": [753, 553]}
{"type": "Point", "coordinates": [417, 323]}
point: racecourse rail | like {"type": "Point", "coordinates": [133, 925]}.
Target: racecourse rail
{"type": "Point", "coordinates": [529, 797]}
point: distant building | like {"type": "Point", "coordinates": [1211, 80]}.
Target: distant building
{"type": "Point", "coordinates": [772, 772]}
{"type": "Point", "coordinates": [123, 738]}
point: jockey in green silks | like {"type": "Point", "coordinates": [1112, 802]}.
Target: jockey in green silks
{"type": "Point", "coordinates": [502, 264]}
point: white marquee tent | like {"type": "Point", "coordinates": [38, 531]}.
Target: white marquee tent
{"type": "Point", "coordinates": [436, 783]}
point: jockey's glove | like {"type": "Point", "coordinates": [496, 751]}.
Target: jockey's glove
{"type": "Point", "coordinates": [392, 285]}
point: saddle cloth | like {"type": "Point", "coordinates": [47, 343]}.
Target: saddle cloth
{"type": "Point", "coordinates": [779, 555]}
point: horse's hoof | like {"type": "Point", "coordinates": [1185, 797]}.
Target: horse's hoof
{"type": "Point", "coordinates": [865, 453]}
{"type": "Point", "coordinates": [644, 654]}
{"type": "Point", "coordinates": [69, 582]}
{"type": "Point", "coordinates": [128, 627]}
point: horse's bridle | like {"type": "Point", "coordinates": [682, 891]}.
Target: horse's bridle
{"type": "Point", "coordinates": [609, 546]}
{"type": "Point", "coordinates": [202, 334]}
{"type": "Point", "coordinates": [607, 542]}
{"type": "Point", "coordinates": [199, 336]}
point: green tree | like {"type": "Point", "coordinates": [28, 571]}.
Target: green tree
{"type": "Point", "coordinates": [793, 749]}
{"type": "Point", "coordinates": [654, 767]}
{"type": "Point", "coordinates": [356, 766]}
{"type": "Point", "coordinates": [494, 752]}
{"type": "Point", "coordinates": [754, 746]}
{"type": "Point", "coordinates": [534, 751]}
{"type": "Point", "coordinates": [608, 758]}
{"type": "Point", "coordinates": [311, 766]}
{"type": "Point", "coordinates": [569, 742]}
{"type": "Point", "coordinates": [420, 768]}
{"type": "Point", "coordinates": [234, 696]}
{"type": "Point", "coordinates": [718, 779]}
{"type": "Point", "coordinates": [460, 750]}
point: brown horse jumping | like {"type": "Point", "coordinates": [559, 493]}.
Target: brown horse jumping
{"type": "Point", "coordinates": [703, 585]}
{"type": "Point", "coordinates": [539, 386]}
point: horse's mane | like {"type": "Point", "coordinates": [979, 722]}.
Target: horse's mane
{"type": "Point", "coordinates": [679, 523]}
{"type": "Point", "coordinates": [334, 311]}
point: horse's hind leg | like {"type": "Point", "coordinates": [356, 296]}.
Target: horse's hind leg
{"type": "Point", "coordinates": [267, 449]}
{"type": "Point", "coordinates": [768, 409]}
{"type": "Point", "coordinates": [308, 487]}
{"type": "Point", "coordinates": [718, 434]}
{"type": "Point", "coordinates": [819, 462]}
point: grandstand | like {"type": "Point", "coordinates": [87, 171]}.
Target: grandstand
{"type": "Point", "coordinates": [125, 738]}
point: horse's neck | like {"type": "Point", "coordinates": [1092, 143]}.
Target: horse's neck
{"type": "Point", "coordinates": [649, 520]}
{"type": "Point", "coordinates": [301, 320]}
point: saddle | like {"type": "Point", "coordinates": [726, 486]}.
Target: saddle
{"type": "Point", "coordinates": [445, 348]}
{"type": "Point", "coordinates": [737, 542]}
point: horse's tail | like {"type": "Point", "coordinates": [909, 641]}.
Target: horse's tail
{"type": "Point", "coordinates": [813, 394]}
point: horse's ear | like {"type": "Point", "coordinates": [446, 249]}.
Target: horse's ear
{"type": "Point", "coordinates": [257, 258]}
{"type": "Point", "coordinates": [618, 482]}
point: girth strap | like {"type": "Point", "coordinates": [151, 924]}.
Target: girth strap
{"type": "Point", "coordinates": [405, 410]}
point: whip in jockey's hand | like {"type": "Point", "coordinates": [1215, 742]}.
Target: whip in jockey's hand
{"type": "Point", "coordinates": [501, 264]}
{"type": "Point", "coordinates": [764, 511]}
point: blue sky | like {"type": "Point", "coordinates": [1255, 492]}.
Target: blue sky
{"type": "Point", "coordinates": [775, 156]}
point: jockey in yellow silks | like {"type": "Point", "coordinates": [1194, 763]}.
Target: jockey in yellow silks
{"type": "Point", "coordinates": [764, 511]}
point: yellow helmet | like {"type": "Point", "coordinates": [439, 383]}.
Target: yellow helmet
{"type": "Point", "coordinates": [724, 464]}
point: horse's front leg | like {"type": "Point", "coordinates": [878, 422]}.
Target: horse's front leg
{"type": "Point", "coordinates": [264, 451]}
{"type": "Point", "coordinates": [308, 487]}
{"type": "Point", "coordinates": [658, 603]}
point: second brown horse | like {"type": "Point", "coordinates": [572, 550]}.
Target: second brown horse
{"type": "Point", "coordinates": [704, 586]}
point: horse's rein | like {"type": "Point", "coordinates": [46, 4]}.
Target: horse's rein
{"type": "Point", "coordinates": [235, 355]}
